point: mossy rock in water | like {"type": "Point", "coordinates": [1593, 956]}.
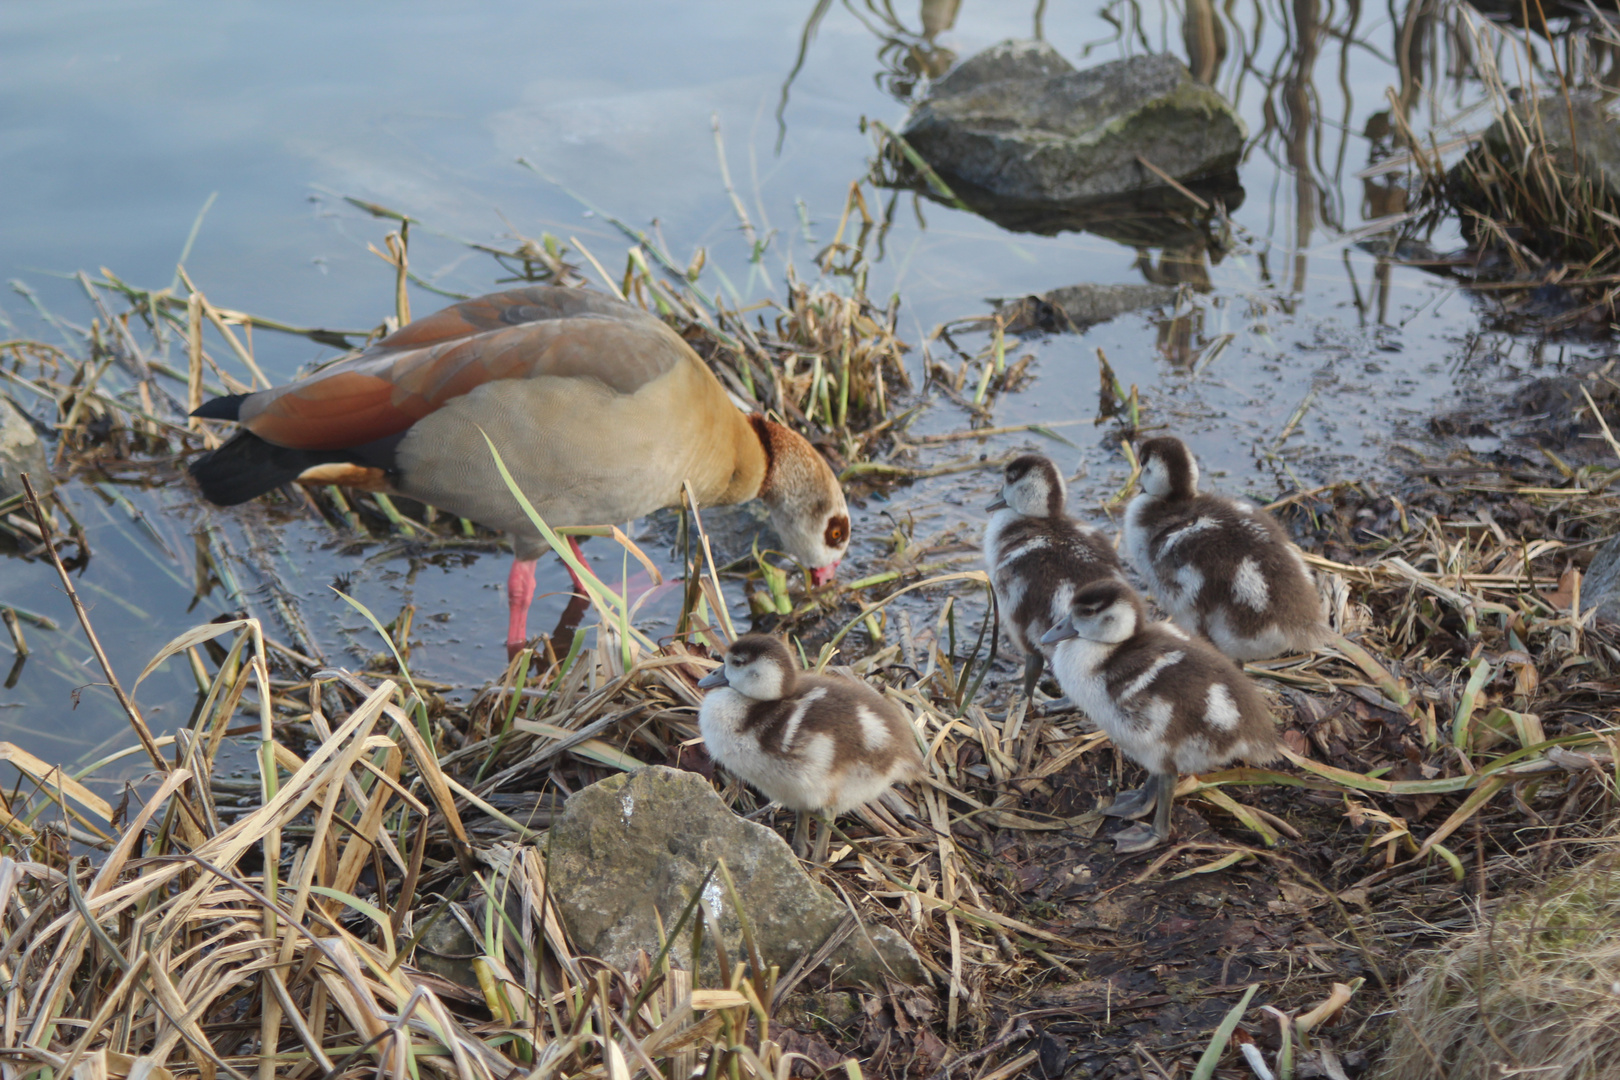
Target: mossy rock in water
{"type": "Point", "coordinates": [1532, 180]}
{"type": "Point", "coordinates": [1019, 123]}
{"type": "Point", "coordinates": [1593, 153]}
{"type": "Point", "coordinates": [1532, 991]}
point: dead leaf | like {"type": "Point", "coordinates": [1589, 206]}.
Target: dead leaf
{"type": "Point", "coordinates": [1569, 583]}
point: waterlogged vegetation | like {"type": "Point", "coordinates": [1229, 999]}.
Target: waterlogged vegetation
{"type": "Point", "coordinates": [251, 872]}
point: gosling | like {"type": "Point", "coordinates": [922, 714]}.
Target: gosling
{"type": "Point", "coordinates": [1038, 556]}
{"type": "Point", "coordinates": [1168, 701]}
{"type": "Point", "coordinates": [813, 743]}
{"type": "Point", "coordinates": [1220, 567]}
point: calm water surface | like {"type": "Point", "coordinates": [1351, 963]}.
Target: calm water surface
{"type": "Point", "coordinates": [123, 120]}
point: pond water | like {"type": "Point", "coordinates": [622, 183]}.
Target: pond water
{"type": "Point", "coordinates": [128, 119]}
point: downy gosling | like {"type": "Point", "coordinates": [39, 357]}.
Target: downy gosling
{"type": "Point", "coordinates": [1037, 556]}
{"type": "Point", "coordinates": [1168, 701]}
{"type": "Point", "coordinates": [1220, 567]}
{"type": "Point", "coordinates": [818, 744]}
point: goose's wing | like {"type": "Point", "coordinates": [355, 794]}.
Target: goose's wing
{"type": "Point", "coordinates": [518, 334]}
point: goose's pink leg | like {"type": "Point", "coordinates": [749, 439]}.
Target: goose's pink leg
{"type": "Point", "coordinates": [520, 595]}
{"type": "Point", "coordinates": [579, 586]}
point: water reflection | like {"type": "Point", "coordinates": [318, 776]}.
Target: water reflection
{"type": "Point", "coordinates": [1203, 34]}
{"type": "Point", "coordinates": [1299, 129]}
{"type": "Point", "coordinates": [1301, 70]}
{"type": "Point", "coordinates": [906, 58]}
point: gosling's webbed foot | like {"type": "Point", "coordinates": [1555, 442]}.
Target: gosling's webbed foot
{"type": "Point", "coordinates": [1133, 804]}
{"type": "Point", "coordinates": [1057, 705]}
{"type": "Point", "coordinates": [1139, 837]}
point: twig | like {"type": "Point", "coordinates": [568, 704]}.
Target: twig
{"type": "Point", "coordinates": [725, 178]}
{"type": "Point", "coordinates": [952, 436]}
{"type": "Point", "coordinates": [141, 730]}
{"type": "Point", "coordinates": [17, 639]}
{"type": "Point", "coordinates": [1608, 436]}
{"type": "Point", "coordinates": [910, 472]}
{"type": "Point", "coordinates": [1202, 204]}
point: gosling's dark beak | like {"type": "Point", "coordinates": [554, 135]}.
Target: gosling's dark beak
{"type": "Point", "coordinates": [1061, 632]}
{"type": "Point", "coordinates": [997, 503]}
{"type": "Point", "coordinates": [715, 678]}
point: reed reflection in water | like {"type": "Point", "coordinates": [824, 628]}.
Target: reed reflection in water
{"type": "Point", "coordinates": [1332, 90]}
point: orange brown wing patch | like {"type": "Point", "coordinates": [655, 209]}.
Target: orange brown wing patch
{"type": "Point", "coordinates": [348, 408]}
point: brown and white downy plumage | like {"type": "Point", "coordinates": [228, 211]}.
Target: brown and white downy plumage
{"type": "Point", "coordinates": [1168, 700]}
{"type": "Point", "coordinates": [599, 411]}
{"type": "Point", "coordinates": [1038, 555]}
{"type": "Point", "coordinates": [819, 744]}
{"type": "Point", "coordinates": [1220, 567]}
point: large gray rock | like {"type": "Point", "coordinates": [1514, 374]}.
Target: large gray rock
{"type": "Point", "coordinates": [1600, 589]}
{"type": "Point", "coordinates": [642, 842]}
{"type": "Point", "coordinates": [21, 451]}
{"type": "Point", "coordinates": [1018, 122]}
{"type": "Point", "coordinates": [447, 948]}
{"type": "Point", "coordinates": [1597, 137]}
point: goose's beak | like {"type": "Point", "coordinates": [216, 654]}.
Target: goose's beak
{"type": "Point", "coordinates": [1061, 632]}
{"type": "Point", "coordinates": [715, 678]}
{"type": "Point", "coordinates": [997, 503]}
{"type": "Point", "coordinates": [820, 575]}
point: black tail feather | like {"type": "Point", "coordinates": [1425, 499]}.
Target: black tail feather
{"type": "Point", "coordinates": [228, 407]}
{"type": "Point", "coordinates": [247, 467]}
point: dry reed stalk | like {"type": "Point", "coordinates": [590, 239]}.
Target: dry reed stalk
{"type": "Point", "coordinates": [1526, 190]}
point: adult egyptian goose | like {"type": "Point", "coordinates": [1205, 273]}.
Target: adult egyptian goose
{"type": "Point", "coordinates": [1220, 567]}
{"type": "Point", "coordinates": [1168, 701]}
{"type": "Point", "coordinates": [1037, 556]}
{"type": "Point", "coordinates": [814, 743]}
{"type": "Point", "coordinates": [599, 411]}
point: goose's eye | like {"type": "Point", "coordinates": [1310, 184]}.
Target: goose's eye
{"type": "Point", "coordinates": [837, 531]}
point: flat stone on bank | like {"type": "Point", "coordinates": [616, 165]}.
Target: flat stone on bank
{"type": "Point", "coordinates": [631, 850]}
{"type": "Point", "coordinates": [1082, 306]}
{"type": "Point", "coordinates": [1017, 121]}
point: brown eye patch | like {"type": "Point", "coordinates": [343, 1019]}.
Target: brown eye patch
{"type": "Point", "coordinates": [837, 533]}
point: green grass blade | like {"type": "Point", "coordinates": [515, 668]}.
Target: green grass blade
{"type": "Point", "coordinates": [1205, 1070]}
{"type": "Point", "coordinates": [404, 669]}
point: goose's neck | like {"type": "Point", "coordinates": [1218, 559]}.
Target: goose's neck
{"type": "Point", "coordinates": [744, 475]}
{"type": "Point", "coordinates": [784, 457]}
